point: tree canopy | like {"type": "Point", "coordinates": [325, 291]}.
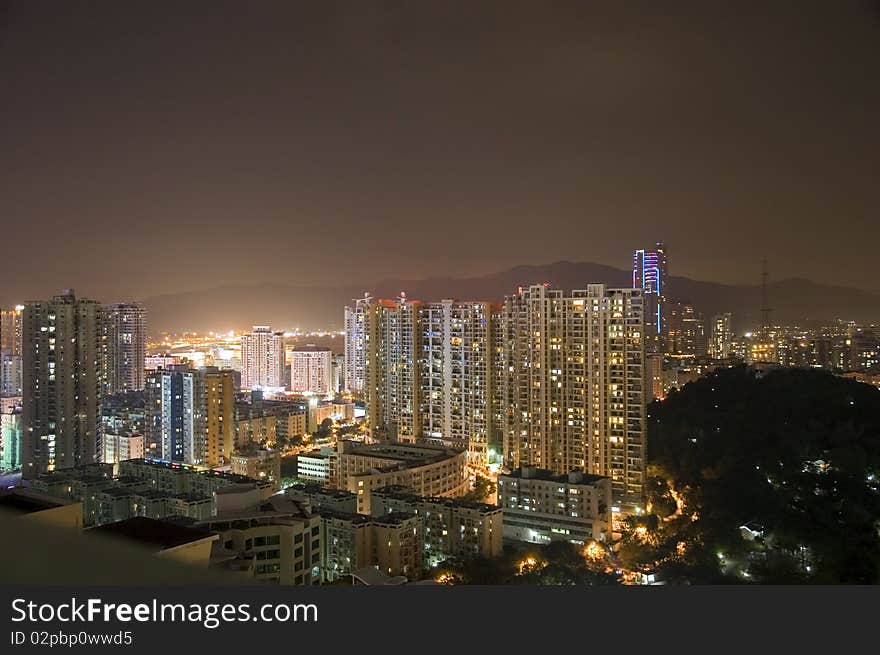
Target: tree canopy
{"type": "Point", "coordinates": [793, 455]}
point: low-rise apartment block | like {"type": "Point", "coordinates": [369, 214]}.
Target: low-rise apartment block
{"type": "Point", "coordinates": [426, 470]}
{"type": "Point", "coordinates": [451, 527]}
{"type": "Point", "coordinates": [540, 506]}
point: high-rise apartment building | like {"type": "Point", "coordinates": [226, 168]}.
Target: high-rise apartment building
{"type": "Point", "coordinates": [654, 375]}
{"type": "Point", "coordinates": [685, 331]}
{"type": "Point", "coordinates": [61, 383]}
{"type": "Point", "coordinates": [10, 330]}
{"type": "Point", "coordinates": [10, 352]}
{"type": "Point", "coordinates": [392, 352]}
{"type": "Point", "coordinates": [500, 408]}
{"type": "Point", "coordinates": [190, 415]}
{"type": "Point", "coordinates": [218, 387]}
{"type": "Point", "coordinates": [172, 421]}
{"type": "Point", "coordinates": [355, 355]}
{"type": "Point", "coordinates": [428, 370]}
{"type": "Point", "coordinates": [456, 375]}
{"type": "Point", "coordinates": [650, 275]}
{"type": "Point", "coordinates": [721, 336]}
{"type": "Point", "coordinates": [10, 374]}
{"type": "Point", "coordinates": [311, 370]}
{"type": "Point", "coordinates": [574, 385]}
{"type": "Point", "coordinates": [125, 352]}
{"type": "Point", "coordinates": [262, 359]}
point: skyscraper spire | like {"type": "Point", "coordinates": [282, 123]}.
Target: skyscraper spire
{"type": "Point", "coordinates": [649, 275]}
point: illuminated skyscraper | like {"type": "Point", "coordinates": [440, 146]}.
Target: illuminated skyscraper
{"type": "Point", "coordinates": [125, 336]}
{"type": "Point", "coordinates": [721, 336]}
{"type": "Point", "coordinates": [391, 370]}
{"type": "Point", "coordinates": [575, 384]}
{"type": "Point", "coordinates": [262, 359]}
{"type": "Point", "coordinates": [649, 275]}
{"type": "Point", "coordinates": [685, 331]}
{"type": "Point", "coordinates": [61, 383]}
{"type": "Point", "coordinates": [10, 330]}
{"type": "Point", "coordinates": [456, 375]}
{"type": "Point", "coordinates": [356, 344]}
{"type": "Point", "coordinates": [10, 352]}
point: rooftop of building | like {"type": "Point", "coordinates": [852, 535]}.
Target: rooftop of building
{"type": "Point", "coordinates": [126, 480]}
{"type": "Point", "coordinates": [317, 453]}
{"type": "Point", "coordinates": [399, 492]}
{"type": "Point", "coordinates": [315, 489]}
{"type": "Point", "coordinates": [393, 518]}
{"type": "Point", "coordinates": [25, 501]}
{"type": "Point", "coordinates": [372, 576]}
{"type": "Point", "coordinates": [160, 464]}
{"type": "Point", "coordinates": [238, 488]}
{"type": "Point", "coordinates": [119, 492]}
{"type": "Point", "coordinates": [274, 508]}
{"type": "Point", "coordinates": [89, 478]}
{"type": "Point", "coordinates": [407, 454]}
{"type": "Point", "coordinates": [97, 470]}
{"type": "Point", "coordinates": [151, 494]}
{"type": "Point", "coordinates": [544, 475]}
{"type": "Point", "coordinates": [356, 519]}
{"type": "Point", "coordinates": [256, 452]}
{"type": "Point", "coordinates": [154, 534]}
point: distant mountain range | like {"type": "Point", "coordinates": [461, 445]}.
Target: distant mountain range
{"type": "Point", "coordinates": [286, 307]}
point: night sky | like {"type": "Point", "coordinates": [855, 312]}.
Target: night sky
{"type": "Point", "coordinates": [156, 147]}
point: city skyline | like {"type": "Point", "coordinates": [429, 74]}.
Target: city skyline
{"type": "Point", "coordinates": [606, 313]}
{"type": "Point", "coordinates": [572, 116]}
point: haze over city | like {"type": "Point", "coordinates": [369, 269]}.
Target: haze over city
{"type": "Point", "coordinates": [152, 149]}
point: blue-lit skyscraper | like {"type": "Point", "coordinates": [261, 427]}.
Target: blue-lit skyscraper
{"type": "Point", "coordinates": [649, 275]}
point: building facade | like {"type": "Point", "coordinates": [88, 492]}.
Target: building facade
{"type": "Point", "coordinates": [124, 345]}
{"type": "Point", "coordinates": [10, 437]}
{"type": "Point", "coordinates": [720, 336]}
{"type": "Point", "coordinates": [61, 383]}
{"type": "Point", "coordinates": [259, 464]}
{"type": "Point", "coordinates": [685, 331]}
{"type": "Point", "coordinates": [311, 370]}
{"type": "Point", "coordinates": [392, 543]}
{"type": "Point", "coordinates": [426, 470]}
{"type": "Point", "coordinates": [393, 345]}
{"type": "Point", "coordinates": [11, 330]}
{"type": "Point", "coordinates": [10, 374]}
{"type": "Point", "coordinates": [119, 447]}
{"type": "Point", "coordinates": [575, 385]}
{"type": "Point", "coordinates": [190, 415]}
{"type": "Point", "coordinates": [281, 537]}
{"type": "Point", "coordinates": [262, 359]}
{"type": "Point", "coordinates": [457, 376]}
{"type": "Point", "coordinates": [451, 527]}
{"type": "Point", "coordinates": [356, 343]}
{"type": "Point", "coordinates": [650, 275]}
{"type": "Point", "coordinates": [11, 351]}
{"type": "Point", "coordinates": [540, 506]}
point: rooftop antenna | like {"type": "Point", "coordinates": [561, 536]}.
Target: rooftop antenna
{"type": "Point", "coordinates": [765, 309]}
